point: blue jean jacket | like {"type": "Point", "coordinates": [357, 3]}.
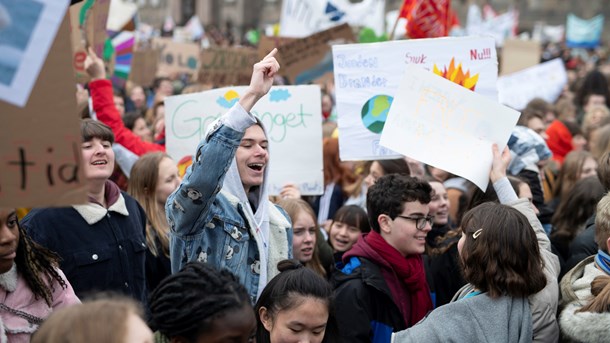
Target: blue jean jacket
{"type": "Point", "coordinates": [210, 225]}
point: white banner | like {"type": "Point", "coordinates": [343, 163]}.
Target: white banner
{"type": "Point", "coordinates": [367, 77]}
{"type": "Point", "coordinates": [301, 18]}
{"type": "Point", "coordinates": [545, 80]}
{"type": "Point", "coordinates": [500, 27]}
{"type": "Point", "coordinates": [436, 122]}
{"type": "Point", "coordinates": [292, 116]}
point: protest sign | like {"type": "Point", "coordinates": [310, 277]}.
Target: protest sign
{"type": "Point", "coordinates": [40, 152]}
{"type": "Point", "coordinates": [144, 67]}
{"type": "Point", "coordinates": [227, 66]}
{"type": "Point", "coordinates": [120, 14]}
{"type": "Point", "coordinates": [518, 55]}
{"type": "Point", "coordinates": [545, 80]}
{"type": "Point", "coordinates": [367, 78]}
{"type": "Point", "coordinates": [500, 26]}
{"type": "Point", "coordinates": [581, 33]}
{"type": "Point", "coordinates": [306, 59]}
{"type": "Point", "coordinates": [176, 57]}
{"type": "Point", "coordinates": [292, 118]}
{"type": "Point", "coordinates": [446, 126]}
{"type": "Point", "coordinates": [267, 43]}
{"type": "Point", "coordinates": [301, 18]}
{"type": "Point", "coordinates": [88, 28]}
{"type": "Point", "coordinates": [28, 29]}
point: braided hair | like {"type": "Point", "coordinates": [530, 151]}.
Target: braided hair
{"type": "Point", "coordinates": [185, 303]}
{"type": "Point", "coordinates": [37, 265]}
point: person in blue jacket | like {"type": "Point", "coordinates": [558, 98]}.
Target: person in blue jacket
{"type": "Point", "coordinates": [221, 213]}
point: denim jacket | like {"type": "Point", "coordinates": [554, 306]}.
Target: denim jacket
{"type": "Point", "coordinates": [210, 224]}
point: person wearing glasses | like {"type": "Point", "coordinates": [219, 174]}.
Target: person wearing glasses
{"type": "Point", "coordinates": [382, 287]}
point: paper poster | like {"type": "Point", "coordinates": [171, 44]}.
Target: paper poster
{"type": "Point", "coordinates": [518, 55]}
{"type": "Point", "coordinates": [500, 26]}
{"type": "Point", "coordinates": [40, 144]}
{"type": "Point", "coordinates": [227, 66]}
{"type": "Point", "coordinates": [581, 33]}
{"type": "Point", "coordinates": [367, 77]}
{"type": "Point", "coordinates": [545, 80]}
{"type": "Point", "coordinates": [439, 123]}
{"type": "Point", "coordinates": [306, 59]}
{"type": "Point", "coordinates": [292, 116]}
{"type": "Point", "coordinates": [301, 18]}
{"type": "Point", "coordinates": [27, 29]}
{"type": "Point", "coordinates": [176, 57]}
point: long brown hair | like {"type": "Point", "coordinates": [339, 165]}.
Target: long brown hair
{"type": "Point", "coordinates": [293, 207]}
{"type": "Point", "coordinates": [569, 173]}
{"type": "Point", "coordinates": [142, 185]}
{"type": "Point", "coordinates": [600, 288]}
{"type": "Point", "coordinates": [500, 253]}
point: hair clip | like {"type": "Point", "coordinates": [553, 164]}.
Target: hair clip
{"type": "Point", "coordinates": [477, 233]}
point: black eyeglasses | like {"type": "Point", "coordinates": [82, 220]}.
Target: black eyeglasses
{"type": "Point", "coordinates": [420, 222]}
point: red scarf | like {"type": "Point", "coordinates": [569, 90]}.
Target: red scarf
{"type": "Point", "coordinates": [411, 294]}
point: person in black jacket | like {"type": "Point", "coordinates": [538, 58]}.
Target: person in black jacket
{"type": "Point", "coordinates": [584, 244]}
{"type": "Point", "coordinates": [101, 243]}
{"type": "Point", "coordinates": [382, 287]}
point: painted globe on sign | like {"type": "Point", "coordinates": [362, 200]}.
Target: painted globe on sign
{"type": "Point", "coordinates": [375, 112]}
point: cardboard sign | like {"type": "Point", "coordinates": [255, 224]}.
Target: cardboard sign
{"type": "Point", "coordinates": [27, 30]}
{"type": "Point", "coordinates": [437, 122]}
{"type": "Point", "coordinates": [367, 77]}
{"type": "Point", "coordinates": [88, 28]}
{"type": "Point", "coordinates": [545, 80]}
{"type": "Point", "coordinates": [292, 116]}
{"type": "Point", "coordinates": [227, 66]}
{"type": "Point", "coordinates": [518, 55]}
{"type": "Point", "coordinates": [267, 43]}
{"type": "Point", "coordinates": [144, 67]}
{"type": "Point", "coordinates": [306, 59]}
{"type": "Point", "coordinates": [40, 154]}
{"type": "Point", "coordinates": [176, 58]}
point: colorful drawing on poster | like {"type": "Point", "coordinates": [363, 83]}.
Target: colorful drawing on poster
{"type": "Point", "coordinates": [457, 75]}
{"type": "Point", "coordinates": [375, 112]}
{"type": "Point", "coordinates": [278, 95]}
{"type": "Point", "coordinates": [123, 44]}
{"type": "Point", "coordinates": [228, 99]}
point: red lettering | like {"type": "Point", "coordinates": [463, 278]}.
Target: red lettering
{"type": "Point", "coordinates": [79, 60]}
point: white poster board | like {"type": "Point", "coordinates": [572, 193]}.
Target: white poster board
{"type": "Point", "coordinates": [545, 80]}
{"type": "Point", "coordinates": [301, 18]}
{"type": "Point", "coordinates": [367, 77]}
{"type": "Point", "coordinates": [441, 124]}
{"type": "Point", "coordinates": [292, 116]}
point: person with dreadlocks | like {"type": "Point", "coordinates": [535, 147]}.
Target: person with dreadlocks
{"type": "Point", "coordinates": [202, 304]}
{"type": "Point", "coordinates": [31, 285]}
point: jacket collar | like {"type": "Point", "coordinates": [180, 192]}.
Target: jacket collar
{"type": "Point", "coordinates": [93, 213]}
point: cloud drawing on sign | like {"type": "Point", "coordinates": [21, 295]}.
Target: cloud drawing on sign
{"type": "Point", "coordinates": [228, 99]}
{"type": "Point", "coordinates": [278, 95]}
{"type": "Point", "coordinates": [375, 112]}
{"type": "Point", "coordinates": [457, 75]}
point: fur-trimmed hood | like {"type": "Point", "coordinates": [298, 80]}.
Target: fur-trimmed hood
{"type": "Point", "coordinates": [587, 327]}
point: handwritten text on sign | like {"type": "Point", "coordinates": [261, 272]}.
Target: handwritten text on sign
{"type": "Point", "coordinates": [292, 119]}
{"type": "Point", "coordinates": [447, 126]}
{"type": "Point", "coordinates": [176, 57]}
{"type": "Point", "coordinates": [367, 77]}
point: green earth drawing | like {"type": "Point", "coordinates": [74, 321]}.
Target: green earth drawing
{"type": "Point", "coordinates": [375, 112]}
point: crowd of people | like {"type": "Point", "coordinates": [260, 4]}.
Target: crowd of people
{"type": "Point", "coordinates": [393, 251]}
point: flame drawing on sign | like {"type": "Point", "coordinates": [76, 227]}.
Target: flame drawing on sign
{"type": "Point", "coordinates": [457, 75]}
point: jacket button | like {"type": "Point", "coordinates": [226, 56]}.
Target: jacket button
{"type": "Point", "coordinates": [126, 284]}
{"type": "Point", "coordinates": [94, 257]}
